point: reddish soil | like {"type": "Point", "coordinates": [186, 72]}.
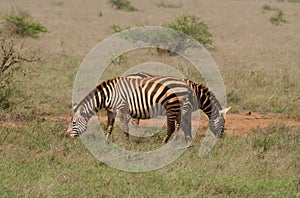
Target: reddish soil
{"type": "Point", "coordinates": [236, 124]}
{"type": "Point", "coordinates": [241, 124]}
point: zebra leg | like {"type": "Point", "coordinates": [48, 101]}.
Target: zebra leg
{"type": "Point", "coordinates": [186, 120]}
{"type": "Point", "coordinates": [123, 112]}
{"type": "Point", "coordinates": [170, 129]}
{"type": "Point", "coordinates": [186, 127]}
{"type": "Point", "coordinates": [110, 124]}
{"type": "Point", "coordinates": [177, 126]}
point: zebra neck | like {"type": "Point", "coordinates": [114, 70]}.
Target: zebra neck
{"type": "Point", "coordinates": [208, 102]}
{"type": "Point", "coordinates": [89, 113]}
{"type": "Point", "coordinates": [87, 106]}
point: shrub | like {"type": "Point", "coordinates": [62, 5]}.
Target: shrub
{"type": "Point", "coordinates": [122, 5]}
{"type": "Point", "coordinates": [193, 26]}
{"type": "Point", "coordinates": [116, 29]}
{"type": "Point", "coordinates": [266, 7]}
{"type": "Point", "coordinates": [277, 18]}
{"type": "Point", "coordinates": [19, 22]}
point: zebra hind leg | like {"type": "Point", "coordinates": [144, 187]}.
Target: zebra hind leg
{"type": "Point", "coordinates": [177, 126]}
{"type": "Point", "coordinates": [170, 130]}
{"type": "Point", "coordinates": [186, 127]}
{"type": "Point", "coordinates": [186, 121]}
{"type": "Point", "coordinates": [110, 124]}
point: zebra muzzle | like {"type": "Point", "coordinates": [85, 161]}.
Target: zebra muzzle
{"type": "Point", "coordinates": [71, 134]}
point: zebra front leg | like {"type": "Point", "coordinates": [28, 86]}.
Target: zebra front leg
{"type": "Point", "coordinates": [110, 124]}
{"type": "Point", "coordinates": [122, 113]}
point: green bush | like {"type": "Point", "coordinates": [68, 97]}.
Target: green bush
{"type": "Point", "coordinates": [18, 22]}
{"type": "Point", "coordinates": [116, 29]}
{"type": "Point", "coordinates": [122, 5]}
{"type": "Point", "coordinates": [277, 18]}
{"type": "Point", "coordinates": [193, 26]}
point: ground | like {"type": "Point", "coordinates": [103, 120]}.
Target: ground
{"type": "Point", "coordinates": [236, 124]}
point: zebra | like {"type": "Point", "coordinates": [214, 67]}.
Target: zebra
{"type": "Point", "coordinates": [141, 98]}
{"type": "Point", "coordinates": [206, 101]}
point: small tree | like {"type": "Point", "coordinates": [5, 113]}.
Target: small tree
{"type": "Point", "coordinates": [193, 26]}
{"type": "Point", "coordinates": [14, 50]}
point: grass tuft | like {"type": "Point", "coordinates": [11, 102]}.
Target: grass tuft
{"type": "Point", "coordinates": [122, 5]}
{"type": "Point", "coordinates": [162, 4]}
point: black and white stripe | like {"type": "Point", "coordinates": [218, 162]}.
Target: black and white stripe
{"type": "Point", "coordinates": [205, 100]}
{"type": "Point", "coordinates": [141, 98]}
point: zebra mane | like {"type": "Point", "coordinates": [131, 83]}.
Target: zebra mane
{"type": "Point", "coordinates": [208, 102]}
{"type": "Point", "coordinates": [88, 97]}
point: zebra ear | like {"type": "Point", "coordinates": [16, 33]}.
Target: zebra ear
{"type": "Point", "coordinates": [224, 111]}
{"type": "Point", "coordinates": [74, 106]}
{"type": "Point", "coordinates": [78, 110]}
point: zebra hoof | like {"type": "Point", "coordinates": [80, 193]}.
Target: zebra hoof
{"type": "Point", "coordinates": [166, 140]}
{"type": "Point", "coordinates": [126, 135]}
{"type": "Point", "coordinates": [188, 139]}
{"type": "Point", "coordinates": [107, 141]}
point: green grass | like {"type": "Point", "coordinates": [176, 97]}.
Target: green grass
{"type": "Point", "coordinates": [46, 89]}
{"type": "Point", "coordinates": [37, 160]}
{"type": "Point", "coordinates": [263, 91]}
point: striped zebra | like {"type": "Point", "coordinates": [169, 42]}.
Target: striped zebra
{"type": "Point", "coordinates": [206, 101]}
{"type": "Point", "coordinates": [141, 98]}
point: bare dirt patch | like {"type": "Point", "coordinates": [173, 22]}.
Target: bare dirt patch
{"type": "Point", "coordinates": [236, 124]}
{"type": "Point", "coordinates": [12, 124]}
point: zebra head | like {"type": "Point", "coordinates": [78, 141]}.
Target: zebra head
{"type": "Point", "coordinates": [78, 124]}
{"type": "Point", "coordinates": [217, 124]}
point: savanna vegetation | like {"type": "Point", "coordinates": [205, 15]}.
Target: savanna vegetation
{"type": "Point", "coordinates": [42, 43]}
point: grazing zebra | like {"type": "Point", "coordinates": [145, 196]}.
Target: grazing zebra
{"type": "Point", "coordinates": [141, 98]}
{"type": "Point", "coordinates": [206, 101]}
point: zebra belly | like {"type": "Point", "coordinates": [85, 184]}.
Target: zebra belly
{"type": "Point", "coordinates": [151, 112]}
